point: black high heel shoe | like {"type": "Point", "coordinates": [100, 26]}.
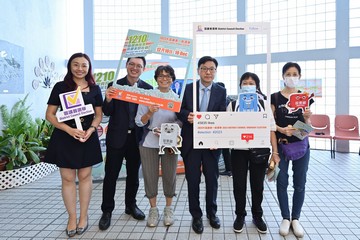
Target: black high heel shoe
{"type": "Point", "coordinates": [71, 233]}
{"type": "Point", "coordinates": [81, 230]}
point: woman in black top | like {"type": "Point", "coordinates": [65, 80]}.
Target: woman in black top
{"type": "Point", "coordinates": [284, 125]}
{"type": "Point", "coordinates": [242, 163]}
{"type": "Point", "coordinates": [73, 150]}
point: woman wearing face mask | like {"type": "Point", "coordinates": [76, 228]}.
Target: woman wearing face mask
{"type": "Point", "coordinates": [241, 163]}
{"type": "Point", "coordinates": [291, 73]}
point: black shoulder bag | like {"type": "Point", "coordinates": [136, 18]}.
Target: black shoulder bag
{"type": "Point", "coordinates": [260, 155]}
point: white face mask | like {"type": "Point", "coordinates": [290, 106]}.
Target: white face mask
{"type": "Point", "coordinates": [291, 82]}
{"type": "Point", "coordinates": [248, 89]}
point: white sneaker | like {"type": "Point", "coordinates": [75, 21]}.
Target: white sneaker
{"type": "Point", "coordinates": [284, 227]}
{"type": "Point", "coordinates": [153, 217]}
{"type": "Point", "coordinates": [168, 216]}
{"type": "Point", "coordinates": [297, 228]}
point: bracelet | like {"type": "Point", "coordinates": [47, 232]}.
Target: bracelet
{"type": "Point", "coordinates": [275, 153]}
{"type": "Point", "coordinates": [94, 127]}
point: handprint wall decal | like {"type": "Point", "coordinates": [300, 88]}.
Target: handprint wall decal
{"type": "Point", "coordinates": [45, 74]}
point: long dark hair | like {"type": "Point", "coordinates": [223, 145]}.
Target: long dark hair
{"type": "Point", "coordinates": [255, 77]}
{"type": "Point", "coordinates": [68, 79]}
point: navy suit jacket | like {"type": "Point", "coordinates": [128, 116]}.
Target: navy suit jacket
{"type": "Point", "coordinates": [118, 111]}
{"type": "Point", "coordinates": [217, 103]}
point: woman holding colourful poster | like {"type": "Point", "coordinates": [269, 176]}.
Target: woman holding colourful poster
{"type": "Point", "coordinates": [152, 119]}
{"type": "Point", "coordinates": [74, 145]}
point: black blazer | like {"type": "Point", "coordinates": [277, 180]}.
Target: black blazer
{"type": "Point", "coordinates": [118, 111]}
{"type": "Point", "coordinates": [217, 103]}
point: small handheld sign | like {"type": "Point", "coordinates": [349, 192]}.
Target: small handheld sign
{"type": "Point", "coordinates": [299, 101]}
{"type": "Point", "coordinates": [73, 107]}
{"type": "Point", "coordinates": [170, 138]}
{"type": "Point", "coordinates": [248, 102]}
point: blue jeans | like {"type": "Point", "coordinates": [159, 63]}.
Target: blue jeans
{"type": "Point", "coordinates": [299, 168]}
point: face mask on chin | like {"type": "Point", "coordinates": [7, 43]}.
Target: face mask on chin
{"type": "Point", "coordinates": [291, 82]}
{"type": "Point", "coordinates": [248, 89]}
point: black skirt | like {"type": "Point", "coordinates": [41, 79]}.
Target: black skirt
{"type": "Point", "coordinates": [67, 152]}
{"type": "Point", "coordinates": [64, 150]}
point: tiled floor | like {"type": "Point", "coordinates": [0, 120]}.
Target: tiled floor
{"type": "Point", "coordinates": [331, 209]}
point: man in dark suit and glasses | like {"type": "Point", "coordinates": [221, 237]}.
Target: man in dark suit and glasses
{"type": "Point", "coordinates": [122, 141]}
{"type": "Point", "coordinates": [211, 97]}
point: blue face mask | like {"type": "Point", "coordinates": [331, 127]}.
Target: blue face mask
{"type": "Point", "coordinates": [248, 89]}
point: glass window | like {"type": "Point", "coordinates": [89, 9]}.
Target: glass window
{"type": "Point", "coordinates": [182, 14]}
{"type": "Point", "coordinates": [113, 19]}
{"type": "Point", "coordinates": [354, 97]}
{"type": "Point", "coordinates": [295, 25]}
{"type": "Point", "coordinates": [354, 22]}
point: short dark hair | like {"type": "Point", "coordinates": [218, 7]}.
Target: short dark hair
{"type": "Point", "coordinates": [248, 75]}
{"type": "Point", "coordinates": [167, 68]}
{"type": "Point", "coordinates": [290, 65]}
{"type": "Point", "coordinates": [142, 58]}
{"type": "Point", "coordinates": [207, 59]}
{"type": "Point", "coordinates": [255, 77]}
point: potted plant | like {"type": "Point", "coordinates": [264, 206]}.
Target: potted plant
{"type": "Point", "coordinates": [43, 130]}
{"type": "Point", "coordinates": [19, 143]}
{"type": "Point", "coordinates": [3, 162]}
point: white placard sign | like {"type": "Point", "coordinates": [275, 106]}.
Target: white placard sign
{"type": "Point", "coordinates": [232, 129]}
{"type": "Point", "coordinates": [73, 107]}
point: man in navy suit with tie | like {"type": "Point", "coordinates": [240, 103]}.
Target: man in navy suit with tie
{"type": "Point", "coordinates": [212, 98]}
{"type": "Point", "coordinates": [122, 141]}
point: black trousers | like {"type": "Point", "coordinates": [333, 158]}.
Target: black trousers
{"type": "Point", "coordinates": [197, 161]}
{"type": "Point", "coordinates": [240, 166]}
{"type": "Point", "coordinates": [227, 160]}
{"type": "Point", "coordinates": [114, 161]}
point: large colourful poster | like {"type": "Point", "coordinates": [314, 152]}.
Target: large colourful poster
{"type": "Point", "coordinates": [142, 44]}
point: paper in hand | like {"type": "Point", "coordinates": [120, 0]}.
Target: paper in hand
{"type": "Point", "coordinates": [302, 129]}
{"type": "Point", "coordinates": [271, 174]}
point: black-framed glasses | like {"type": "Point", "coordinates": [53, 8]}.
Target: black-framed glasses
{"type": "Point", "coordinates": [134, 65]}
{"type": "Point", "coordinates": [205, 69]}
{"type": "Point", "coordinates": [167, 77]}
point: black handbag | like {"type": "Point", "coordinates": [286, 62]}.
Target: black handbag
{"type": "Point", "coordinates": [259, 155]}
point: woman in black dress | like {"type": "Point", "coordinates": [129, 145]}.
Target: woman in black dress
{"type": "Point", "coordinates": [73, 150]}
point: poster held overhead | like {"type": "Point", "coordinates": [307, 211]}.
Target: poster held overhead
{"type": "Point", "coordinates": [140, 44]}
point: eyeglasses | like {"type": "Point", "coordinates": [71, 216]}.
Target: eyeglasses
{"type": "Point", "coordinates": [134, 65]}
{"type": "Point", "coordinates": [164, 77]}
{"type": "Point", "coordinates": [205, 69]}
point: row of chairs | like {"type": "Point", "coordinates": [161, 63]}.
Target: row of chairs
{"type": "Point", "coordinates": [346, 128]}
